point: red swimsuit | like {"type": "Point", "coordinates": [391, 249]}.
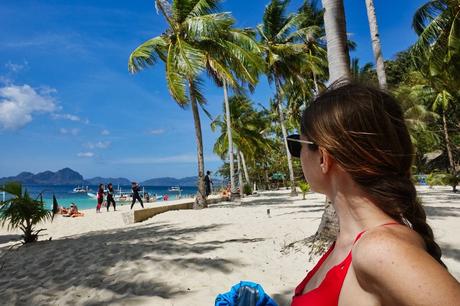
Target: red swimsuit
{"type": "Point", "coordinates": [328, 292]}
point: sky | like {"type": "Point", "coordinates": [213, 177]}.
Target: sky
{"type": "Point", "coordinates": [68, 100]}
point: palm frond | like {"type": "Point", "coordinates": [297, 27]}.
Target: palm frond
{"type": "Point", "coordinates": [204, 7]}
{"type": "Point", "coordinates": [175, 80]}
{"type": "Point", "coordinates": [146, 54]}
{"type": "Point", "coordinates": [208, 26]}
{"type": "Point", "coordinates": [292, 24]}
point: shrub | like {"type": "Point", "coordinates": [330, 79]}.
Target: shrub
{"type": "Point", "coordinates": [23, 212]}
{"type": "Point", "coordinates": [247, 189]}
{"type": "Point", "coordinates": [304, 187]}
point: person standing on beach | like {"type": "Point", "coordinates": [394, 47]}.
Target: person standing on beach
{"type": "Point", "coordinates": [135, 187]}
{"type": "Point", "coordinates": [100, 197]}
{"type": "Point", "coordinates": [110, 199]}
{"type": "Point", "coordinates": [208, 182]}
{"type": "Point", "coordinates": [355, 148]}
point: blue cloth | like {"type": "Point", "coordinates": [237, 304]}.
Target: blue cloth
{"type": "Point", "coordinates": [245, 294]}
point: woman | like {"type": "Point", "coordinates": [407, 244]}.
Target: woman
{"type": "Point", "coordinates": [110, 199]}
{"type": "Point", "coordinates": [355, 148]}
{"type": "Point", "coordinates": [100, 197]}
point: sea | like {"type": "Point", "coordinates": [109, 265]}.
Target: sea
{"type": "Point", "coordinates": [65, 195]}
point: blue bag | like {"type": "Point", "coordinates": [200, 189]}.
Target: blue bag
{"type": "Point", "coordinates": [245, 294]}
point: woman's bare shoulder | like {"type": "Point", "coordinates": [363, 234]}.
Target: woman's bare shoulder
{"type": "Point", "coordinates": [392, 263]}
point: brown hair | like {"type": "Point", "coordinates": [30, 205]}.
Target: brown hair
{"type": "Point", "coordinates": [363, 128]}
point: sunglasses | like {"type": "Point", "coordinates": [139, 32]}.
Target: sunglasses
{"type": "Point", "coordinates": [295, 144]}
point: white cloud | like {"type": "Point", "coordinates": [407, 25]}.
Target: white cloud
{"type": "Point", "coordinates": [18, 104]}
{"type": "Point", "coordinates": [12, 67]}
{"type": "Point", "coordinates": [73, 132]}
{"type": "Point", "coordinates": [105, 132]}
{"type": "Point", "coordinates": [66, 116]}
{"type": "Point", "coordinates": [98, 145]}
{"type": "Point", "coordinates": [185, 158]}
{"type": "Point", "coordinates": [156, 132]}
{"type": "Point", "coordinates": [85, 154]}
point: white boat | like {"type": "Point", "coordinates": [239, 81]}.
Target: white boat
{"type": "Point", "coordinates": [175, 188]}
{"type": "Point", "coordinates": [81, 189]}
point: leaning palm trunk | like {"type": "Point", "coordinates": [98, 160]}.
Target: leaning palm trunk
{"type": "Point", "coordinates": [230, 140]}
{"type": "Point", "coordinates": [245, 168]}
{"type": "Point", "coordinates": [376, 46]}
{"type": "Point", "coordinates": [326, 233]}
{"type": "Point", "coordinates": [448, 147]}
{"type": "Point", "coordinates": [336, 37]}
{"type": "Point", "coordinates": [240, 174]}
{"type": "Point", "coordinates": [200, 201]}
{"type": "Point", "coordinates": [283, 129]}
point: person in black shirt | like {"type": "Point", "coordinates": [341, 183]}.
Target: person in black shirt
{"type": "Point", "coordinates": [110, 198]}
{"type": "Point", "coordinates": [135, 187]}
{"type": "Point", "coordinates": [208, 182]}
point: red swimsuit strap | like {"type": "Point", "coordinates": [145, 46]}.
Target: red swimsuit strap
{"type": "Point", "coordinates": [361, 233]}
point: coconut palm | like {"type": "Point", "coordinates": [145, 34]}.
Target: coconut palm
{"type": "Point", "coordinates": [243, 60]}
{"type": "Point", "coordinates": [437, 23]}
{"type": "Point", "coordinates": [248, 130]}
{"type": "Point", "coordinates": [438, 52]}
{"type": "Point", "coordinates": [376, 46]}
{"type": "Point", "coordinates": [285, 57]}
{"type": "Point", "coordinates": [336, 37]}
{"type": "Point", "coordinates": [198, 39]}
{"type": "Point", "coordinates": [23, 212]}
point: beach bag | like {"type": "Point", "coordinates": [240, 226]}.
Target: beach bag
{"type": "Point", "coordinates": [245, 293]}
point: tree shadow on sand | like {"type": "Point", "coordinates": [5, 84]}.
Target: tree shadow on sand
{"type": "Point", "coordinates": [438, 212]}
{"type": "Point", "coordinates": [101, 263]}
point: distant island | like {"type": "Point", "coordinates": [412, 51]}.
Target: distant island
{"type": "Point", "coordinates": [68, 176]}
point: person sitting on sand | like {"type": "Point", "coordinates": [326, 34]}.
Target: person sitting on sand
{"type": "Point", "coordinates": [73, 211]}
{"type": "Point", "coordinates": [62, 210]}
{"type": "Point", "coordinates": [356, 149]}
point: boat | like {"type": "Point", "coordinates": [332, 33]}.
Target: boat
{"type": "Point", "coordinates": [175, 188]}
{"type": "Point", "coordinates": [81, 189]}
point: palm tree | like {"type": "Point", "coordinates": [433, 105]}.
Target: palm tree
{"type": "Point", "coordinates": [336, 36]}
{"type": "Point", "coordinates": [244, 61]}
{"type": "Point", "coordinates": [284, 57]}
{"type": "Point", "coordinates": [248, 130]}
{"type": "Point", "coordinates": [438, 52]}
{"type": "Point", "coordinates": [23, 212]}
{"type": "Point", "coordinates": [197, 40]}
{"type": "Point", "coordinates": [376, 47]}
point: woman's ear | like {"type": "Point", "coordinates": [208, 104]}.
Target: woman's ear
{"type": "Point", "coordinates": [325, 160]}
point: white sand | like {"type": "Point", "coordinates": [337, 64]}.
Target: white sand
{"type": "Point", "coordinates": [183, 257]}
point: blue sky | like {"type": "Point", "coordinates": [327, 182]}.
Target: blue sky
{"type": "Point", "coordinates": [67, 99]}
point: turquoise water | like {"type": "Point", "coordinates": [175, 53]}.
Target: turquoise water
{"type": "Point", "coordinates": [65, 195]}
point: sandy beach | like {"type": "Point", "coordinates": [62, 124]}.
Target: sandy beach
{"type": "Point", "coordinates": [184, 257]}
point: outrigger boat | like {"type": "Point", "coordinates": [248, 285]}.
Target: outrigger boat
{"type": "Point", "coordinates": [81, 189]}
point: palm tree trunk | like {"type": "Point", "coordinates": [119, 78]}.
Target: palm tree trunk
{"type": "Point", "coordinates": [336, 37]}
{"type": "Point", "coordinates": [283, 129]}
{"type": "Point", "coordinates": [447, 140]}
{"type": "Point", "coordinates": [200, 201]}
{"type": "Point", "coordinates": [245, 168]}
{"type": "Point", "coordinates": [240, 174]}
{"type": "Point", "coordinates": [230, 141]}
{"type": "Point", "coordinates": [376, 46]}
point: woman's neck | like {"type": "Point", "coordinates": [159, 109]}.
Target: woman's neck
{"type": "Point", "coordinates": [355, 211]}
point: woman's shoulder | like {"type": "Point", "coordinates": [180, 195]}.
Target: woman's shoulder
{"type": "Point", "coordinates": [385, 245]}
{"type": "Point", "coordinates": [391, 262]}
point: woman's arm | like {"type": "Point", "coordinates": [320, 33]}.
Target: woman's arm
{"type": "Point", "coordinates": [398, 271]}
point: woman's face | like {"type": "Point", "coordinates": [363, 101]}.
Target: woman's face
{"type": "Point", "coordinates": [311, 165]}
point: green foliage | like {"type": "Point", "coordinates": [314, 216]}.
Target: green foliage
{"type": "Point", "coordinates": [22, 212]}
{"type": "Point", "coordinates": [304, 187]}
{"type": "Point", "coordinates": [442, 178]}
{"type": "Point", "coordinates": [247, 189]}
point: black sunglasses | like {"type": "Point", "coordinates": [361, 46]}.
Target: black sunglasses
{"type": "Point", "coordinates": [295, 144]}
